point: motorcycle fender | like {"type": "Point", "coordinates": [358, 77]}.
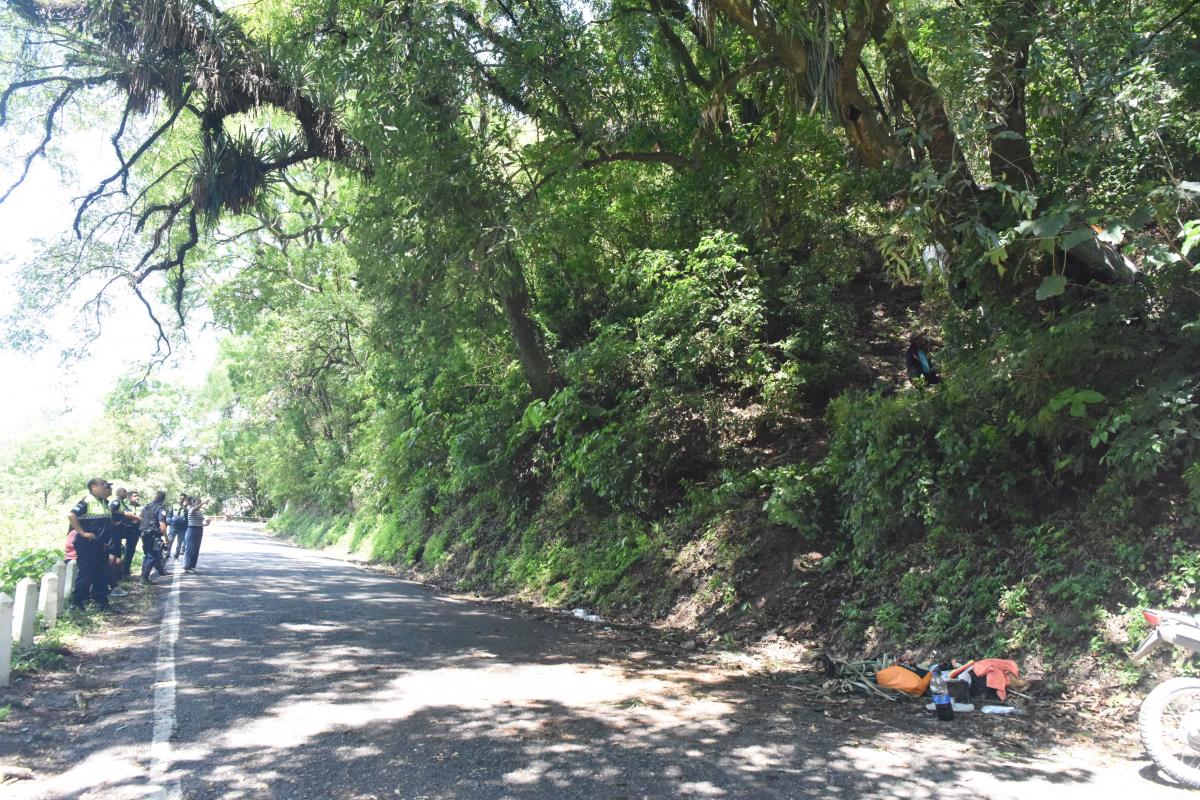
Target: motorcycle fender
{"type": "Point", "coordinates": [1185, 636]}
{"type": "Point", "coordinates": [1151, 642]}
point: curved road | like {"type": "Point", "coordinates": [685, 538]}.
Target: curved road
{"type": "Point", "coordinates": [296, 675]}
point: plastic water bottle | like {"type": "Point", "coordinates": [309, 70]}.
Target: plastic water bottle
{"type": "Point", "coordinates": [942, 704]}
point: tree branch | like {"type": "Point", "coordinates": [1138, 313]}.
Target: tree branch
{"type": "Point", "coordinates": [13, 88]}
{"type": "Point", "coordinates": [73, 86]}
{"type": "Point", "coordinates": [678, 49]}
{"type": "Point", "coordinates": [162, 340]}
{"type": "Point", "coordinates": [670, 159]}
{"type": "Point", "coordinates": [123, 171]}
{"type": "Point", "coordinates": [175, 261]}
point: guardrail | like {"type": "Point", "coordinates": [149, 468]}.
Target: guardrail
{"type": "Point", "coordinates": [18, 616]}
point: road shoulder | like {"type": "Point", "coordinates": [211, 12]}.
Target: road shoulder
{"type": "Point", "coordinates": [88, 709]}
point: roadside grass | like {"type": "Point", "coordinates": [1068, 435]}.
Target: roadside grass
{"type": "Point", "coordinates": [53, 647]}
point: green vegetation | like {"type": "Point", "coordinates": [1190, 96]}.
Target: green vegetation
{"type": "Point", "coordinates": [607, 304]}
{"type": "Point", "coordinates": [51, 647]}
{"type": "Point", "coordinates": [29, 564]}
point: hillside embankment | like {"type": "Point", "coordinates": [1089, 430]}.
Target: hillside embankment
{"type": "Point", "coordinates": [1026, 507]}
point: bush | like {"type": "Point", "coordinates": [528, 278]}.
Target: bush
{"type": "Point", "coordinates": [1041, 473]}
{"type": "Point", "coordinates": [310, 527]}
{"type": "Point", "coordinates": [28, 564]}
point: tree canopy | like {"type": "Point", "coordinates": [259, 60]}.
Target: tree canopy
{"type": "Point", "coordinates": [548, 288]}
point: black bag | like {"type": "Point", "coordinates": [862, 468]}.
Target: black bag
{"type": "Point", "coordinates": [980, 691]}
{"type": "Point", "coordinates": [149, 517]}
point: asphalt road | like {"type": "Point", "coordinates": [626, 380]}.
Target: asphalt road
{"type": "Point", "coordinates": [297, 675]}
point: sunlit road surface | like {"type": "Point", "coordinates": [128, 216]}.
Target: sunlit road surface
{"type": "Point", "coordinates": [298, 675]}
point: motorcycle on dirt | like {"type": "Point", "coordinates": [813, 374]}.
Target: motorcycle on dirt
{"type": "Point", "coordinates": [1169, 720]}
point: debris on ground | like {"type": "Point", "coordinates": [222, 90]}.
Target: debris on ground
{"type": "Point", "coordinates": [988, 682]}
{"type": "Point", "coordinates": [12, 774]}
{"type": "Point", "coordinates": [1002, 710]}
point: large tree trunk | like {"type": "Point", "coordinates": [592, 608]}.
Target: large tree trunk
{"type": "Point", "coordinates": [513, 293]}
{"type": "Point", "coordinates": [914, 87]}
{"type": "Point", "coordinates": [866, 132]}
{"type": "Point", "coordinates": [1013, 29]}
{"type": "Point", "coordinates": [868, 137]}
{"type": "Point", "coordinates": [1014, 26]}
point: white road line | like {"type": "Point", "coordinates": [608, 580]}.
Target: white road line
{"type": "Point", "coordinates": [165, 785]}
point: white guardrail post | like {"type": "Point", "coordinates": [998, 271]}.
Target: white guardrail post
{"type": "Point", "coordinates": [6, 631]}
{"type": "Point", "coordinates": [48, 599]}
{"type": "Point", "coordinates": [69, 580]}
{"type": "Point", "coordinates": [25, 611]}
{"type": "Point", "coordinates": [60, 570]}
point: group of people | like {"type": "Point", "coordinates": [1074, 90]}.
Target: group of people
{"type": "Point", "coordinates": [105, 529]}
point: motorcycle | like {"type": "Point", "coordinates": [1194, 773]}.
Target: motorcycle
{"type": "Point", "coordinates": [1169, 720]}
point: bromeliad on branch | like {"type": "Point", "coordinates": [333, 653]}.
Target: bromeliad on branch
{"type": "Point", "coordinates": [193, 60]}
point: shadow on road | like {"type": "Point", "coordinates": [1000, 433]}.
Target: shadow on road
{"type": "Point", "coordinates": [303, 677]}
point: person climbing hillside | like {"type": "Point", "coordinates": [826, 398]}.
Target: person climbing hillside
{"type": "Point", "coordinates": [919, 362]}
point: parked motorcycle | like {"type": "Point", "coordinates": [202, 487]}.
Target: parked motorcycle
{"type": "Point", "coordinates": [1169, 720]}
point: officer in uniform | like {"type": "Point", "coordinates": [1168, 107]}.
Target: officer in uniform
{"type": "Point", "coordinates": [91, 521]}
{"type": "Point", "coordinates": [153, 528]}
{"type": "Point", "coordinates": [125, 523]}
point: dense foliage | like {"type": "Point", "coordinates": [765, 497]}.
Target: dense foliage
{"type": "Point", "coordinates": [610, 300]}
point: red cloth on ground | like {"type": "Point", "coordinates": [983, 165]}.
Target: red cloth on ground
{"type": "Point", "coordinates": [996, 672]}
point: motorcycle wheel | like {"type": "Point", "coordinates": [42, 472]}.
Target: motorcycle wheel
{"type": "Point", "coordinates": [1161, 723]}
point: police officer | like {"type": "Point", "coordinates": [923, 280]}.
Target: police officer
{"type": "Point", "coordinates": [152, 528]}
{"type": "Point", "coordinates": [125, 523]}
{"type": "Point", "coordinates": [91, 520]}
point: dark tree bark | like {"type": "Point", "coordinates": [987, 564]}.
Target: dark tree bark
{"type": "Point", "coordinates": [915, 89]}
{"type": "Point", "coordinates": [1012, 33]}
{"type": "Point", "coordinates": [865, 128]}
{"type": "Point", "coordinates": [513, 293]}
{"type": "Point", "coordinates": [870, 141]}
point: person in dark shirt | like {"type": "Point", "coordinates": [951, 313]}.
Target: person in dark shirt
{"type": "Point", "coordinates": [125, 522]}
{"type": "Point", "coordinates": [90, 520]}
{"type": "Point", "coordinates": [153, 528]}
{"type": "Point", "coordinates": [123, 530]}
{"type": "Point", "coordinates": [919, 362]}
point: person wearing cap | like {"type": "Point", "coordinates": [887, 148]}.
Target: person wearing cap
{"type": "Point", "coordinates": [90, 520]}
